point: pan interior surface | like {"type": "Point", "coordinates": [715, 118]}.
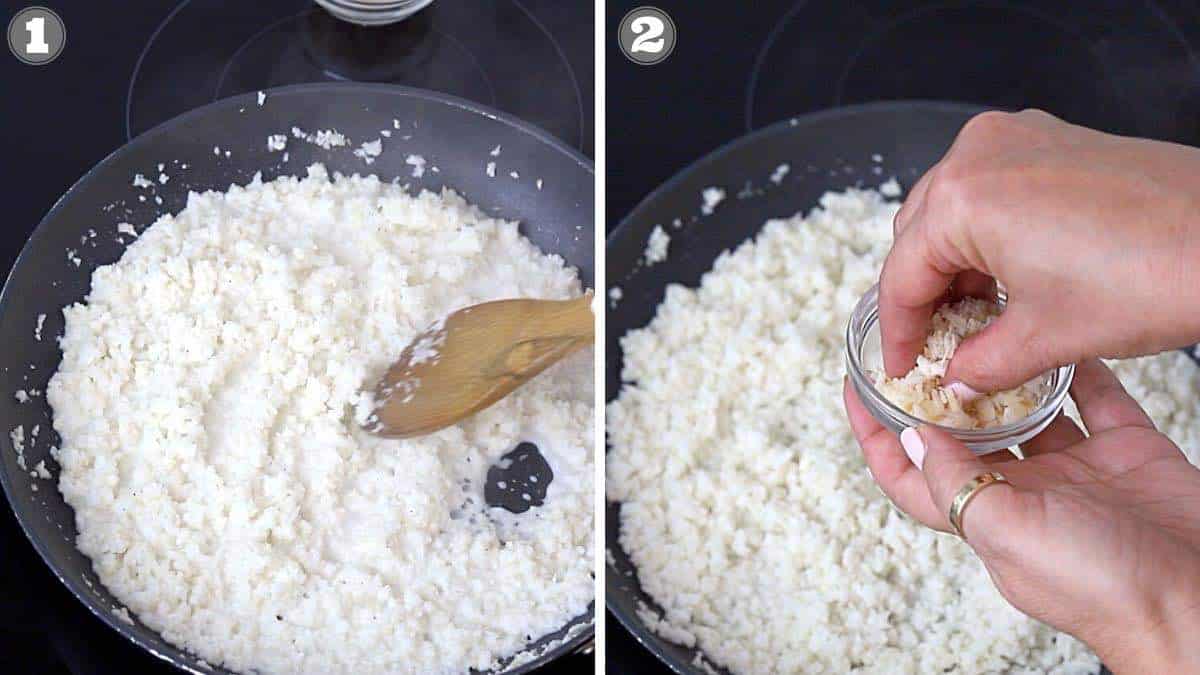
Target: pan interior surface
{"type": "Point", "coordinates": [226, 143]}
{"type": "Point", "coordinates": [861, 145]}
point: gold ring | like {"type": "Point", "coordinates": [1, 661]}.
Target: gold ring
{"type": "Point", "coordinates": [967, 493]}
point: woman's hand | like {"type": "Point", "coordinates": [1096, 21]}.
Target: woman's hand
{"type": "Point", "coordinates": [1095, 237]}
{"type": "Point", "coordinates": [1098, 536]}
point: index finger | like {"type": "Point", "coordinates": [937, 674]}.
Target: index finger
{"type": "Point", "coordinates": [911, 285]}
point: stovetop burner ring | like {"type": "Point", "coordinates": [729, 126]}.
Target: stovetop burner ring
{"type": "Point", "coordinates": [526, 72]}
{"type": "Point", "coordinates": [1085, 62]}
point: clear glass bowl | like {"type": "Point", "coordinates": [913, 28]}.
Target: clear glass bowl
{"type": "Point", "coordinates": [863, 355]}
{"type": "Point", "coordinates": [373, 12]}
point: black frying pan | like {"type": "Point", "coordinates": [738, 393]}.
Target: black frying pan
{"type": "Point", "coordinates": [828, 150]}
{"type": "Point", "coordinates": [453, 134]}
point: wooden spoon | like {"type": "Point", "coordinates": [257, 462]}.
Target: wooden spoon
{"type": "Point", "coordinates": [475, 357]}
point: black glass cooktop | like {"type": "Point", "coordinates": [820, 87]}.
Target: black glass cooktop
{"type": "Point", "coordinates": [1130, 67]}
{"type": "Point", "coordinates": [498, 53]}
{"type": "Point", "coordinates": [130, 65]}
{"type": "Point", "coordinates": [1127, 66]}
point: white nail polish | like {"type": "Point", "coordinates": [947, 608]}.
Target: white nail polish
{"type": "Point", "coordinates": [914, 446]}
{"type": "Point", "coordinates": [963, 392]}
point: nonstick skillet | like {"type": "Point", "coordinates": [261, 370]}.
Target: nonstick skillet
{"type": "Point", "coordinates": [860, 145]}
{"type": "Point", "coordinates": [223, 143]}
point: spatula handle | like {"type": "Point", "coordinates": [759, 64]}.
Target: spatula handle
{"type": "Point", "coordinates": [561, 319]}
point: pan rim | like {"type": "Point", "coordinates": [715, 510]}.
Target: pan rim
{"type": "Point", "coordinates": [178, 656]}
{"type": "Point", "coordinates": [633, 625]}
{"type": "Point", "coordinates": [788, 123]}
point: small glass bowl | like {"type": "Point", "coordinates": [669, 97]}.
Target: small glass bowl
{"type": "Point", "coordinates": [373, 12]}
{"type": "Point", "coordinates": [863, 354]}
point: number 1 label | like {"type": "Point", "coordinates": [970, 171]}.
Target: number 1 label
{"type": "Point", "coordinates": [37, 36]}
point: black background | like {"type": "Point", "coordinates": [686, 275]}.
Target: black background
{"type": "Point", "coordinates": [1128, 67]}
{"type": "Point", "coordinates": [56, 121]}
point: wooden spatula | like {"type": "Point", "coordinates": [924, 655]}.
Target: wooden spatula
{"type": "Point", "coordinates": [474, 358]}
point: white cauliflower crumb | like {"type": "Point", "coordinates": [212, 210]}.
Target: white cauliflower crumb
{"type": "Point", "coordinates": [276, 142]}
{"type": "Point", "coordinates": [37, 327]}
{"type": "Point", "coordinates": [17, 438]}
{"type": "Point", "coordinates": [163, 178]}
{"type": "Point", "coordinates": [140, 181]}
{"type": "Point", "coordinates": [539, 183]}
{"type": "Point", "coordinates": [614, 296]}
{"type": "Point", "coordinates": [495, 151]}
{"type": "Point", "coordinates": [779, 173]}
{"type": "Point", "coordinates": [369, 150]}
{"type": "Point", "coordinates": [491, 169]}
{"type": "Point", "coordinates": [891, 188]}
{"type": "Point", "coordinates": [712, 196]}
{"type": "Point", "coordinates": [656, 246]}
{"type": "Point", "coordinates": [262, 98]}
{"type": "Point", "coordinates": [417, 163]}
{"type": "Point", "coordinates": [325, 139]}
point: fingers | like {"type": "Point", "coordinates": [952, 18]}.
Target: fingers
{"type": "Point", "coordinates": [891, 468]}
{"type": "Point", "coordinates": [1062, 433]}
{"type": "Point", "coordinates": [910, 288]}
{"type": "Point", "coordinates": [913, 202]}
{"type": "Point", "coordinates": [1011, 351]}
{"type": "Point", "coordinates": [1102, 401]}
{"type": "Point", "coordinates": [998, 457]}
{"type": "Point", "coordinates": [947, 466]}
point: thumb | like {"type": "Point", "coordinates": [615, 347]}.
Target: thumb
{"type": "Point", "coordinates": [947, 466]}
{"type": "Point", "coordinates": [1007, 353]}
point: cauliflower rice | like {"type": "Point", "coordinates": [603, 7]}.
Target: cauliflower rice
{"type": "Point", "coordinates": [222, 486]}
{"type": "Point", "coordinates": [920, 392]}
{"type": "Point", "coordinates": [745, 503]}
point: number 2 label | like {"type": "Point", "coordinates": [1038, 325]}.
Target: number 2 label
{"type": "Point", "coordinates": [37, 36]}
{"type": "Point", "coordinates": [649, 31]}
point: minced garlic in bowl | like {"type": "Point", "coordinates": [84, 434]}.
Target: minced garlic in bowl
{"type": "Point", "coordinates": [992, 422]}
{"type": "Point", "coordinates": [922, 392]}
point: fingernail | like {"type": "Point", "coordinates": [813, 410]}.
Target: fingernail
{"type": "Point", "coordinates": [963, 392]}
{"type": "Point", "coordinates": [914, 446]}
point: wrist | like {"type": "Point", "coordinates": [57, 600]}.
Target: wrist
{"type": "Point", "coordinates": [1164, 645]}
{"type": "Point", "coordinates": [1186, 277]}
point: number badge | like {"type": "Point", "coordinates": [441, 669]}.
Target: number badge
{"type": "Point", "coordinates": [36, 35]}
{"type": "Point", "coordinates": [647, 36]}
